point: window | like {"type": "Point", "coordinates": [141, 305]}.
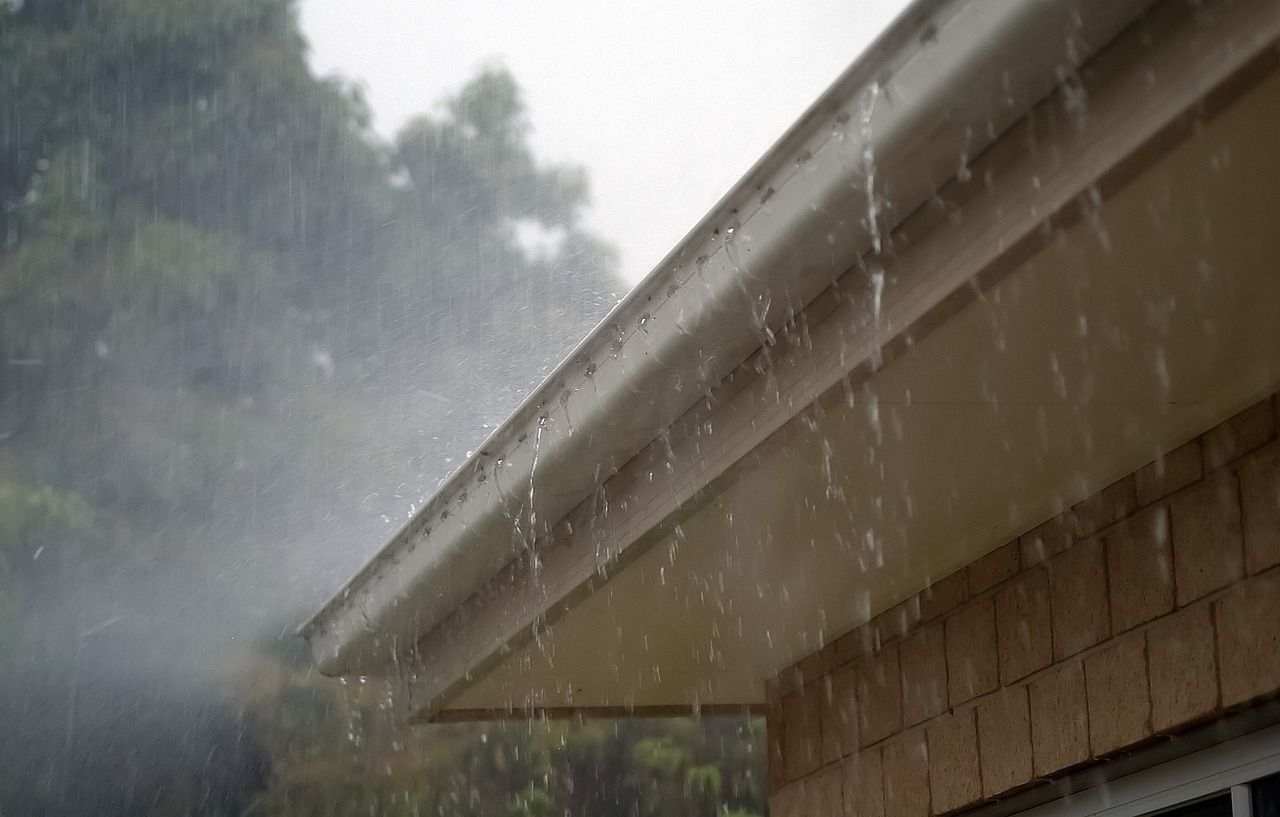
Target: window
{"type": "Point", "coordinates": [1238, 778]}
{"type": "Point", "coordinates": [1265, 796]}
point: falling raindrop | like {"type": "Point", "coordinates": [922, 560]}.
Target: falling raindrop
{"type": "Point", "coordinates": [866, 119]}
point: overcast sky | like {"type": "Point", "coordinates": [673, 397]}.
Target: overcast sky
{"type": "Point", "coordinates": [667, 102]}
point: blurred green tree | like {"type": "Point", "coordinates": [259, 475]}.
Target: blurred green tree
{"type": "Point", "coordinates": [231, 314]}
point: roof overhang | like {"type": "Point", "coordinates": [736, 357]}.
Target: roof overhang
{"type": "Point", "coordinates": [685, 407]}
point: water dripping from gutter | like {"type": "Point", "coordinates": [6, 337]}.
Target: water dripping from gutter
{"type": "Point", "coordinates": [877, 275]}
{"type": "Point", "coordinates": [533, 513]}
{"type": "Point", "coordinates": [869, 163]}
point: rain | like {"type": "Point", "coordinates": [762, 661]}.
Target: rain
{"type": "Point", "coordinates": [477, 409]}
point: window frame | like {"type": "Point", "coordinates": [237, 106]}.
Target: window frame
{"type": "Point", "coordinates": [1227, 767]}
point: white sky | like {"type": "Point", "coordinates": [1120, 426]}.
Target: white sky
{"type": "Point", "coordinates": [667, 103]}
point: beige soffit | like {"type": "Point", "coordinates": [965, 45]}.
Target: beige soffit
{"type": "Point", "coordinates": [1141, 316]}
{"type": "Point", "coordinates": [941, 84]}
{"type": "Point", "coordinates": [453, 596]}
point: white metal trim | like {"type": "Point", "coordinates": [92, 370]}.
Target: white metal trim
{"type": "Point", "coordinates": [1241, 800]}
{"type": "Point", "coordinates": [1217, 769]}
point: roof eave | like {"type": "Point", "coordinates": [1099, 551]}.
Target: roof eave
{"type": "Point", "coordinates": [942, 82]}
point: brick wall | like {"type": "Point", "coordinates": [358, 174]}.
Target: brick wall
{"type": "Point", "coordinates": [1149, 607]}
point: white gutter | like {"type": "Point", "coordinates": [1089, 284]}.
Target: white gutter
{"type": "Point", "coordinates": [940, 85]}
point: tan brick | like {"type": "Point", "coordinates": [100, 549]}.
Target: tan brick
{"type": "Point", "coordinates": [774, 724]}
{"type": "Point", "coordinates": [789, 681]}
{"type": "Point", "coordinates": [856, 644]}
{"type": "Point", "coordinates": [1248, 620]}
{"type": "Point", "coordinates": [807, 797]}
{"type": "Point", "coordinates": [839, 715]}
{"type": "Point", "coordinates": [801, 733]}
{"type": "Point", "coordinates": [997, 566]}
{"type": "Point", "coordinates": [1004, 740]}
{"type": "Point", "coordinates": [953, 762]}
{"type": "Point", "coordinates": [1208, 550]}
{"type": "Point", "coordinates": [1078, 599]}
{"type": "Point", "coordinates": [788, 801]}
{"type": "Point", "coordinates": [1023, 626]}
{"type": "Point", "coordinates": [972, 666]}
{"type": "Point", "coordinates": [898, 620]}
{"type": "Point", "coordinates": [825, 796]}
{"type": "Point", "coordinates": [1260, 486]}
{"type": "Point", "coordinates": [1170, 472]}
{"type": "Point", "coordinates": [1119, 701]}
{"type": "Point", "coordinates": [1059, 719]}
{"type": "Point", "coordinates": [1238, 436]}
{"type": "Point", "coordinates": [1108, 506]}
{"type": "Point", "coordinates": [816, 665]}
{"type": "Point", "coordinates": [830, 657]}
{"type": "Point", "coordinates": [863, 785]}
{"type": "Point", "coordinates": [906, 776]}
{"type": "Point", "coordinates": [943, 595]}
{"type": "Point", "coordinates": [811, 796]}
{"type": "Point", "coordinates": [1140, 567]}
{"type": "Point", "coordinates": [1184, 672]}
{"type": "Point", "coordinates": [1047, 540]}
{"type": "Point", "coordinates": [879, 691]}
{"type": "Point", "coordinates": [923, 656]}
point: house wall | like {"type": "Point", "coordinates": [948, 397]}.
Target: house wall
{"type": "Point", "coordinates": [1150, 607]}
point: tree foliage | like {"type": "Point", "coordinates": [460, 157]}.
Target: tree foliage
{"type": "Point", "coordinates": [235, 324]}
{"type": "Point", "coordinates": [370, 762]}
